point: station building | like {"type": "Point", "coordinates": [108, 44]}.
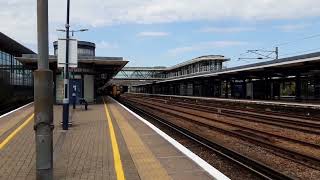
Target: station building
{"type": "Point", "coordinates": [90, 76]}
{"type": "Point", "coordinates": [132, 76]}
{"type": "Point", "coordinates": [292, 78]}
{"type": "Point", "coordinates": [16, 80]}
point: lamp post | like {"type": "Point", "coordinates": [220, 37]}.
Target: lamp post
{"type": "Point", "coordinates": [66, 100]}
{"type": "Point", "coordinates": [73, 31]}
{"type": "Point", "coordinates": [65, 115]}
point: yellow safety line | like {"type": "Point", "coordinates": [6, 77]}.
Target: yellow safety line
{"type": "Point", "coordinates": [16, 131]}
{"type": "Point", "coordinates": [115, 148]}
{"type": "Point", "coordinates": [147, 164]}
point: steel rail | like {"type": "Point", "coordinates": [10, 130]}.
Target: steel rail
{"type": "Point", "coordinates": [247, 129]}
{"type": "Point", "coordinates": [309, 161]}
{"type": "Point", "coordinates": [280, 121]}
{"type": "Point", "coordinates": [226, 105]}
{"type": "Point", "coordinates": [256, 167]}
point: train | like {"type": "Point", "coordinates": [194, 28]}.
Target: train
{"type": "Point", "coordinates": [116, 90]}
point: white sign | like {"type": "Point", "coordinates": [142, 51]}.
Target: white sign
{"type": "Point", "coordinates": [73, 53]}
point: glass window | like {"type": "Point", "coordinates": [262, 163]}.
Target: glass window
{"type": "Point", "coordinates": [1, 60]}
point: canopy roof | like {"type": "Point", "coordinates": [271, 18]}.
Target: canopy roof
{"type": "Point", "coordinates": [108, 66]}
{"type": "Point", "coordinates": [11, 46]}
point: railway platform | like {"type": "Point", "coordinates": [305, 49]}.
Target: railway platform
{"type": "Point", "coordinates": [108, 141]}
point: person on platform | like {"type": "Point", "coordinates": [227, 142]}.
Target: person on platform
{"type": "Point", "coordinates": [74, 98]}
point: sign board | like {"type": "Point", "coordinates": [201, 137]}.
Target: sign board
{"type": "Point", "coordinates": [73, 53]}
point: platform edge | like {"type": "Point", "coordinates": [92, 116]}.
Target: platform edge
{"type": "Point", "coordinates": [8, 113]}
{"type": "Point", "coordinates": [195, 158]}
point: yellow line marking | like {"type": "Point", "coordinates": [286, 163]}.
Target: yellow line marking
{"type": "Point", "coordinates": [115, 148]}
{"type": "Point", "coordinates": [15, 132]}
{"type": "Point", "coordinates": [148, 166]}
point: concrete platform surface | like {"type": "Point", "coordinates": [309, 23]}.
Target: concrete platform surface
{"type": "Point", "coordinates": [105, 142]}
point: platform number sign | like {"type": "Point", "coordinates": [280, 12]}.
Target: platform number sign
{"type": "Point", "coordinates": [73, 53]}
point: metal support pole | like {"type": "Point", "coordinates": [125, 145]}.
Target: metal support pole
{"type": "Point", "coordinates": [43, 99]}
{"type": "Point", "coordinates": [65, 115]}
{"type": "Point", "coordinates": [226, 93]}
{"type": "Point", "coordinates": [277, 53]}
{"type": "Point", "coordinates": [244, 89]}
{"type": "Point", "coordinates": [266, 87]}
{"type": "Point", "coordinates": [298, 87]}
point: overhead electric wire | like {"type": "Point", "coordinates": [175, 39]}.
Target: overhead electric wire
{"type": "Point", "coordinates": [288, 43]}
{"type": "Point", "coordinates": [293, 53]}
{"type": "Point", "coordinates": [297, 40]}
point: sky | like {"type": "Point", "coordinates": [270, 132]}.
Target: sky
{"type": "Point", "coordinates": [168, 32]}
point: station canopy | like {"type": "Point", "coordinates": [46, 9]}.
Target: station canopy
{"type": "Point", "coordinates": [105, 66]}
{"type": "Point", "coordinates": [12, 47]}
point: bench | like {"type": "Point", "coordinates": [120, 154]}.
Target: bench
{"type": "Point", "coordinates": [83, 101]}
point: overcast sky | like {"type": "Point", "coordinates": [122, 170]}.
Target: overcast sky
{"type": "Point", "coordinates": [167, 32]}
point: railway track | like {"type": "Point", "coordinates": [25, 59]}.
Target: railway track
{"type": "Point", "coordinates": [306, 115]}
{"type": "Point", "coordinates": [268, 136]}
{"type": "Point", "coordinates": [303, 125]}
{"type": "Point", "coordinates": [250, 164]}
{"type": "Point", "coordinates": [313, 116]}
{"type": "Point", "coordinates": [279, 149]}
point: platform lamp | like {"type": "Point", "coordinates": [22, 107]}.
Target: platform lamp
{"type": "Point", "coordinates": [65, 115]}
{"type": "Point", "coordinates": [73, 31]}
{"type": "Point", "coordinates": [65, 121]}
